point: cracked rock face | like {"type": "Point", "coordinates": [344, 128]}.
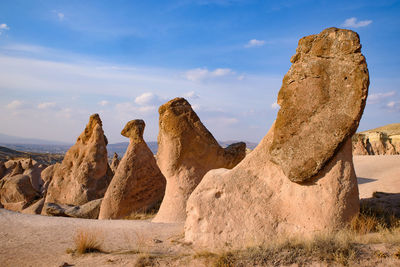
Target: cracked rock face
{"type": "Point", "coordinates": [186, 152]}
{"type": "Point", "coordinates": [138, 184]}
{"type": "Point", "coordinates": [84, 173]}
{"type": "Point", "coordinates": [322, 99]}
{"type": "Point", "coordinates": [300, 179]}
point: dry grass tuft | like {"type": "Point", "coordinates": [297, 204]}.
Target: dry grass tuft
{"type": "Point", "coordinates": [144, 214]}
{"type": "Point", "coordinates": [145, 260]}
{"type": "Point", "coordinates": [88, 241]}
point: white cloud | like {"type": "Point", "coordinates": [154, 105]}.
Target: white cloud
{"type": "Point", "coordinates": [393, 105]}
{"type": "Point", "coordinates": [254, 43]}
{"type": "Point", "coordinates": [147, 99]}
{"type": "Point", "coordinates": [379, 97]}
{"type": "Point", "coordinates": [15, 104]}
{"type": "Point", "coordinates": [353, 23]}
{"type": "Point", "coordinates": [47, 105]}
{"type": "Point", "coordinates": [191, 95]}
{"type": "Point", "coordinates": [4, 27]}
{"type": "Point", "coordinates": [200, 74]}
{"type": "Point", "coordinates": [60, 16]}
{"type": "Point", "coordinates": [103, 103]}
{"type": "Point", "coordinates": [275, 105]}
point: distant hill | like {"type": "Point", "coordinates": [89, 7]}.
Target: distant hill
{"type": "Point", "coordinates": [8, 139]}
{"type": "Point", "coordinates": [390, 129]}
{"type": "Point", "coordinates": [44, 158]}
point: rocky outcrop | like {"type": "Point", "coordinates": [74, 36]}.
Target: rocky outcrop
{"type": "Point", "coordinates": [89, 210]}
{"type": "Point", "coordinates": [377, 142]}
{"type": "Point", "coordinates": [186, 152]}
{"type": "Point", "coordinates": [17, 193]}
{"type": "Point", "coordinates": [138, 184]}
{"type": "Point", "coordinates": [114, 163]}
{"type": "Point", "coordinates": [269, 193]}
{"type": "Point", "coordinates": [3, 169]}
{"type": "Point", "coordinates": [84, 173]}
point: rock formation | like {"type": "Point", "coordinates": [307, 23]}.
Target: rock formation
{"type": "Point", "coordinates": [114, 163]}
{"type": "Point", "coordinates": [186, 152]}
{"type": "Point", "coordinates": [17, 193]}
{"type": "Point", "coordinates": [300, 179]}
{"type": "Point", "coordinates": [384, 140]}
{"type": "Point", "coordinates": [138, 184]}
{"type": "Point", "coordinates": [89, 210]}
{"type": "Point", "coordinates": [3, 169]}
{"type": "Point", "coordinates": [84, 173]}
{"type": "Point", "coordinates": [17, 169]}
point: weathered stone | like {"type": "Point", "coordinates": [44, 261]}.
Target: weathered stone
{"type": "Point", "coordinates": [375, 143]}
{"type": "Point", "coordinates": [35, 208]}
{"type": "Point", "coordinates": [255, 202]}
{"type": "Point", "coordinates": [17, 193]}
{"type": "Point", "coordinates": [322, 99]}
{"type": "Point", "coordinates": [17, 169]}
{"type": "Point", "coordinates": [3, 169]}
{"type": "Point", "coordinates": [114, 163]}
{"type": "Point", "coordinates": [54, 209]}
{"type": "Point", "coordinates": [84, 173]}
{"type": "Point", "coordinates": [186, 152]}
{"type": "Point", "coordinates": [138, 184]}
{"type": "Point", "coordinates": [89, 210]}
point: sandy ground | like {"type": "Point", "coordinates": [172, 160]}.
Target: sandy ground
{"type": "Point", "coordinates": [377, 173]}
{"type": "Point", "coordinates": [33, 240]}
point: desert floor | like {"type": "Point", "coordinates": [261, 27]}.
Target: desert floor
{"type": "Point", "coordinates": [33, 240]}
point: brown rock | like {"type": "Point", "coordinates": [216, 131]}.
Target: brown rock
{"type": "Point", "coordinates": [359, 145]}
{"type": "Point", "coordinates": [35, 208]}
{"type": "Point", "coordinates": [84, 173]}
{"type": "Point", "coordinates": [114, 163]}
{"type": "Point", "coordinates": [322, 98]}
{"type": "Point", "coordinates": [17, 193]}
{"type": "Point", "coordinates": [186, 152]}
{"type": "Point", "coordinates": [88, 210]}
{"type": "Point", "coordinates": [3, 169]}
{"type": "Point", "coordinates": [255, 201]}
{"type": "Point", "coordinates": [138, 184]}
{"type": "Point", "coordinates": [17, 169]}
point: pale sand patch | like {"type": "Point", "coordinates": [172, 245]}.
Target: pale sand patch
{"type": "Point", "coordinates": [34, 240]}
{"type": "Point", "coordinates": [377, 173]}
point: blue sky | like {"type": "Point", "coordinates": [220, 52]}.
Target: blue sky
{"type": "Point", "coordinates": [61, 61]}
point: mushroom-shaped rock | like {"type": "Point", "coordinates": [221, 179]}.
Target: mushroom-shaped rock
{"type": "Point", "coordinates": [114, 163]}
{"type": "Point", "coordinates": [186, 152]}
{"type": "Point", "coordinates": [138, 184]}
{"type": "Point", "coordinates": [268, 194]}
{"type": "Point", "coordinates": [84, 173]}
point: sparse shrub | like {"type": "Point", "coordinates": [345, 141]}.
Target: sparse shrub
{"type": "Point", "coordinates": [87, 241]}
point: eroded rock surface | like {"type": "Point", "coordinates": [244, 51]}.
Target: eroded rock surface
{"type": "Point", "coordinates": [114, 163]}
{"type": "Point", "coordinates": [138, 184]}
{"type": "Point", "coordinates": [84, 173]}
{"type": "Point", "coordinates": [186, 152]}
{"type": "Point", "coordinates": [384, 140]}
{"type": "Point", "coordinates": [269, 194]}
{"type": "Point", "coordinates": [322, 99]}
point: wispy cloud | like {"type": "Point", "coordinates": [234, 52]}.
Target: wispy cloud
{"type": "Point", "coordinates": [191, 95]}
{"type": "Point", "coordinates": [255, 43]}
{"type": "Point", "coordinates": [354, 23]}
{"type": "Point", "coordinates": [60, 16]}
{"type": "Point", "coordinates": [201, 74]}
{"type": "Point", "coordinates": [148, 99]}
{"type": "Point", "coordinates": [103, 103]}
{"type": "Point", "coordinates": [14, 104]}
{"type": "Point", "coordinates": [380, 97]}
{"type": "Point", "coordinates": [47, 105]}
{"type": "Point", "coordinates": [3, 27]}
{"type": "Point", "coordinates": [393, 105]}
